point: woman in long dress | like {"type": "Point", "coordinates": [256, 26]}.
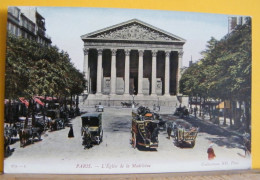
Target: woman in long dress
{"type": "Point", "coordinates": [71, 133]}
{"type": "Point", "coordinates": [211, 153]}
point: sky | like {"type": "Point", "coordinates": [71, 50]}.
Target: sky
{"type": "Point", "coordinates": [65, 26]}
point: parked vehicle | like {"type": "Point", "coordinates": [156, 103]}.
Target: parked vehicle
{"type": "Point", "coordinates": [99, 108]}
{"type": "Point", "coordinates": [55, 122]}
{"type": "Point", "coordinates": [184, 133]}
{"type": "Point", "coordinates": [27, 135]}
{"type": "Point", "coordinates": [91, 130]}
{"type": "Point", "coordinates": [181, 112]}
{"type": "Point", "coordinates": [7, 142]}
{"type": "Point", "coordinates": [144, 130]}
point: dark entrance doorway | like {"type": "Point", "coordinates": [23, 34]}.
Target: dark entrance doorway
{"type": "Point", "coordinates": [134, 72]}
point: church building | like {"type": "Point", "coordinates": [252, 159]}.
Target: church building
{"type": "Point", "coordinates": [132, 60]}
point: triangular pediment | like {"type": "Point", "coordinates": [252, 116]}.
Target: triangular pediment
{"type": "Point", "coordinates": [135, 30]}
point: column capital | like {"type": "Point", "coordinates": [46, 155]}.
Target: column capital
{"type": "Point", "coordinates": [180, 53]}
{"type": "Point", "coordinates": [167, 53]}
{"type": "Point", "coordinates": [113, 51]}
{"type": "Point", "coordinates": [141, 52]}
{"type": "Point", "coordinates": [99, 51]}
{"type": "Point", "coordinates": [127, 52]}
{"type": "Point", "coordinates": [154, 53]}
{"type": "Point", "coordinates": [85, 50]}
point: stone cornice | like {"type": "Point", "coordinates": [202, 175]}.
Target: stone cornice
{"type": "Point", "coordinates": [156, 33]}
{"type": "Point", "coordinates": [132, 46]}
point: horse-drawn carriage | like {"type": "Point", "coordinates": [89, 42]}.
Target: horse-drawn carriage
{"type": "Point", "coordinates": [91, 130]}
{"type": "Point", "coordinates": [9, 133]}
{"type": "Point", "coordinates": [27, 135]}
{"type": "Point", "coordinates": [144, 129]}
{"type": "Point", "coordinates": [54, 120]}
{"type": "Point", "coordinates": [181, 112]}
{"type": "Point", "coordinates": [129, 104]}
{"type": "Point", "coordinates": [184, 133]}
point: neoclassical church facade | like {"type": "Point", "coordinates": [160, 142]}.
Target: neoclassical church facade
{"type": "Point", "coordinates": [132, 60]}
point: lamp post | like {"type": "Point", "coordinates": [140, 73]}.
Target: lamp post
{"type": "Point", "coordinates": [133, 96]}
{"type": "Point", "coordinates": [85, 96]}
{"type": "Point", "coordinates": [133, 104]}
{"type": "Point", "coordinates": [108, 101]}
{"type": "Point", "coordinates": [158, 106]}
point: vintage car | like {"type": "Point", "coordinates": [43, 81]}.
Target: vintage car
{"type": "Point", "coordinates": [184, 133]}
{"type": "Point", "coordinates": [91, 130]}
{"type": "Point", "coordinates": [145, 129]}
{"type": "Point", "coordinates": [99, 108]}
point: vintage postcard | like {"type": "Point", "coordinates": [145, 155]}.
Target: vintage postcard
{"type": "Point", "coordinates": [103, 91]}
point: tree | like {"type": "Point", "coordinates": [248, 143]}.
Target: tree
{"type": "Point", "coordinates": [33, 69]}
{"type": "Point", "coordinates": [224, 72]}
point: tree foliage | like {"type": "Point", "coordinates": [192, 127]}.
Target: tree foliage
{"type": "Point", "coordinates": [224, 72]}
{"type": "Point", "coordinates": [33, 69]}
{"type": "Point", "coordinates": [225, 69]}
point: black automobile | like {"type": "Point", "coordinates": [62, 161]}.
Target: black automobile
{"type": "Point", "coordinates": [91, 130]}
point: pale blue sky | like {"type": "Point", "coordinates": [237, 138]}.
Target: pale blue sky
{"type": "Point", "coordinates": [66, 25]}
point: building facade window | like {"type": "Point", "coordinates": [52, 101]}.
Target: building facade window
{"type": "Point", "coordinates": [21, 23]}
{"type": "Point", "coordinates": [14, 11]}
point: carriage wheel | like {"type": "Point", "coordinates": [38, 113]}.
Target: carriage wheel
{"type": "Point", "coordinates": [101, 136]}
{"type": "Point", "coordinates": [134, 140]}
{"type": "Point", "coordinates": [98, 141]}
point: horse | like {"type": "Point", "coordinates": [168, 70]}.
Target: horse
{"type": "Point", "coordinates": [125, 104]}
{"type": "Point", "coordinates": [11, 132]}
{"type": "Point", "coordinates": [87, 137]}
{"type": "Point", "coordinates": [7, 141]}
{"type": "Point", "coordinates": [247, 143]}
{"type": "Point", "coordinates": [28, 134]}
{"type": "Point", "coordinates": [56, 124]}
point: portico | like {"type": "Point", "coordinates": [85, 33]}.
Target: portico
{"type": "Point", "coordinates": [132, 58]}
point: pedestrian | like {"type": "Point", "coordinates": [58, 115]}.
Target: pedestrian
{"type": "Point", "coordinates": [195, 111]}
{"type": "Point", "coordinates": [211, 153]}
{"type": "Point", "coordinates": [71, 133]}
{"type": "Point", "coordinates": [169, 130]}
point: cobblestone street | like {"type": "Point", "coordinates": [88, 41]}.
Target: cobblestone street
{"type": "Point", "coordinates": [58, 153]}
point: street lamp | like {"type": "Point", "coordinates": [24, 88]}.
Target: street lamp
{"type": "Point", "coordinates": [85, 96]}
{"type": "Point", "coordinates": [108, 100]}
{"type": "Point", "coordinates": [158, 106]}
{"type": "Point", "coordinates": [133, 104]}
{"type": "Point", "coordinates": [133, 96]}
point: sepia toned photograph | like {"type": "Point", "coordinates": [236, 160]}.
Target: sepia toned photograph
{"type": "Point", "coordinates": [114, 91]}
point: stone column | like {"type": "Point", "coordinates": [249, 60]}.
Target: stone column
{"type": "Point", "coordinates": [99, 71]}
{"type": "Point", "coordinates": [154, 54]}
{"type": "Point", "coordinates": [180, 53]}
{"type": "Point", "coordinates": [86, 69]}
{"type": "Point", "coordinates": [127, 67]}
{"type": "Point", "coordinates": [167, 74]}
{"type": "Point", "coordinates": [140, 72]}
{"type": "Point", "coordinates": [113, 73]}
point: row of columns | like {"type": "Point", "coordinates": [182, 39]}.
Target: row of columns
{"type": "Point", "coordinates": [127, 71]}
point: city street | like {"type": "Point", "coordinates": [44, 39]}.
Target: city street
{"type": "Point", "coordinates": [58, 153]}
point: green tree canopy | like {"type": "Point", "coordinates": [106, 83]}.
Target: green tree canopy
{"type": "Point", "coordinates": [33, 69]}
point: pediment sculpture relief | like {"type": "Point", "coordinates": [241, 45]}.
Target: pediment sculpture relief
{"type": "Point", "coordinates": [134, 32]}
